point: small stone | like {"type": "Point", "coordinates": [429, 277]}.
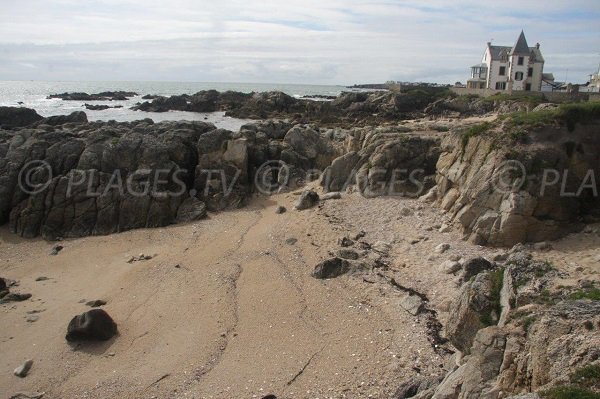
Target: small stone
{"type": "Point", "coordinates": [347, 254]}
{"type": "Point", "coordinates": [440, 249]}
{"type": "Point", "coordinates": [32, 318]}
{"type": "Point", "coordinates": [96, 303]}
{"type": "Point", "coordinates": [454, 257]}
{"type": "Point", "coordinates": [499, 257]}
{"type": "Point", "coordinates": [449, 267]}
{"type": "Point", "coordinates": [23, 370]}
{"type": "Point", "coordinates": [307, 199]}
{"type": "Point", "coordinates": [56, 249]}
{"type": "Point", "coordinates": [331, 195]}
{"type": "Point", "coordinates": [359, 235]}
{"type": "Point", "coordinates": [407, 212]}
{"type": "Point", "coordinates": [412, 304]}
{"type": "Point", "coordinates": [444, 228]}
{"type": "Point", "coordinates": [291, 241]}
{"type": "Point", "coordinates": [42, 278]}
{"type": "Point", "coordinates": [15, 297]}
{"type": "Point", "coordinates": [382, 247]}
{"type": "Point", "coordinates": [345, 242]}
{"type": "Point", "coordinates": [280, 209]}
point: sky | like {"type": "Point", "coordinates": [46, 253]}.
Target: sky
{"type": "Point", "coordinates": [287, 41]}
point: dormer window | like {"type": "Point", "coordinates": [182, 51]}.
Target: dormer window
{"type": "Point", "coordinates": [521, 60]}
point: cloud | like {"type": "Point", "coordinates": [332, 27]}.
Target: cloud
{"type": "Point", "coordinates": [310, 41]}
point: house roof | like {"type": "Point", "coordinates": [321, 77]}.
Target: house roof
{"type": "Point", "coordinates": [521, 47]}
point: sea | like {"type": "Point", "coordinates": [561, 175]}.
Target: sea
{"type": "Point", "coordinates": [33, 94]}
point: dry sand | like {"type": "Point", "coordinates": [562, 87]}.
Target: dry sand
{"type": "Point", "coordinates": [227, 309]}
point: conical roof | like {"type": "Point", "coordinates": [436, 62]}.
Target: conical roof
{"type": "Point", "coordinates": [521, 47]}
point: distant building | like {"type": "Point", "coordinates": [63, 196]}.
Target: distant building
{"type": "Point", "coordinates": [594, 84]}
{"type": "Point", "coordinates": [515, 68]}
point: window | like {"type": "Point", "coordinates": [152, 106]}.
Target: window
{"type": "Point", "coordinates": [502, 71]}
{"type": "Point", "coordinates": [500, 85]}
{"type": "Point", "coordinates": [518, 75]}
{"type": "Point", "coordinates": [520, 61]}
{"type": "Point", "coordinates": [528, 86]}
{"type": "Point", "coordinates": [530, 72]}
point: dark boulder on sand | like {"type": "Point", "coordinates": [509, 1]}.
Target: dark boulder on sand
{"type": "Point", "coordinates": [94, 324]}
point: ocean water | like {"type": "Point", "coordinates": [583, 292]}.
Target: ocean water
{"type": "Point", "coordinates": [32, 94]}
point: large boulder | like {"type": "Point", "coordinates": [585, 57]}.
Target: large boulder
{"type": "Point", "coordinates": [94, 324]}
{"type": "Point", "coordinates": [11, 117]}
{"type": "Point", "coordinates": [473, 309]}
{"type": "Point", "coordinates": [307, 199]}
{"type": "Point", "coordinates": [73, 117]}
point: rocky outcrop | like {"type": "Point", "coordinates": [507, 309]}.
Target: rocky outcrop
{"type": "Point", "coordinates": [11, 117]}
{"type": "Point", "coordinates": [384, 161]}
{"type": "Point", "coordinates": [358, 108]}
{"type": "Point", "coordinates": [103, 96]}
{"type": "Point", "coordinates": [100, 107]}
{"type": "Point", "coordinates": [66, 177]}
{"type": "Point", "coordinates": [543, 337]}
{"type": "Point", "coordinates": [503, 191]}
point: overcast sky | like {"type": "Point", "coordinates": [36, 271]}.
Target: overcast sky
{"type": "Point", "coordinates": [287, 41]}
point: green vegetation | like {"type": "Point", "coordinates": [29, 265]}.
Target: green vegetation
{"type": "Point", "coordinates": [569, 114]}
{"type": "Point", "coordinates": [115, 141]}
{"type": "Point", "coordinates": [527, 322]}
{"type": "Point", "coordinates": [474, 131]}
{"type": "Point", "coordinates": [497, 281]}
{"type": "Point", "coordinates": [588, 376]}
{"type": "Point", "coordinates": [530, 99]}
{"type": "Point", "coordinates": [586, 293]}
{"type": "Point", "coordinates": [440, 128]}
{"type": "Point", "coordinates": [569, 392]}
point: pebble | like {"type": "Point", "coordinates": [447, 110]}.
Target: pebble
{"type": "Point", "coordinates": [32, 318]}
{"type": "Point", "coordinates": [440, 249]}
{"type": "Point", "coordinates": [23, 369]}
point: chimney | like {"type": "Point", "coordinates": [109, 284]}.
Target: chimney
{"type": "Point", "coordinates": [489, 44]}
{"type": "Point", "coordinates": [537, 45]}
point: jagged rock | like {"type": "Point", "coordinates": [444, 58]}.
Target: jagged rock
{"type": "Point", "coordinates": [307, 199]}
{"type": "Point", "coordinates": [348, 254]}
{"type": "Point", "coordinates": [415, 385]}
{"type": "Point", "coordinates": [291, 241]}
{"type": "Point", "coordinates": [11, 117]}
{"type": "Point", "coordinates": [480, 184]}
{"type": "Point", "coordinates": [94, 324]}
{"type": "Point", "coordinates": [381, 247]}
{"type": "Point", "coordinates": [190, 210]}
{"type": "Point", "coordinates": [74, 117]}
{"type": "Point", "coordinates": [15, 297]}
{"type": "Point", "coordinates": [331, 268]}
{"type": "Point", "coordinates": [474, 266]}
{"type": "Point", "coordinates": [470, 311]}
{"type": "Point", "coordinates": [450, 267]}
{"type": "Point", "coordinates": [412, 304]}
{"type": "Point", "coordinates": [23, 369]}
{"type": "Point", "coordinates": [441, 248]}
{"type": "Point", "coordinates": [341, 172]}
{"type": "Point", "coordinates": [103, 96]}
{"type": "Point", "coordinates": [475, 378]}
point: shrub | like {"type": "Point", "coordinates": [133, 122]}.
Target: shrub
{"type": "Point", "coordinates": [569, 392]}
{"type": "Point", "coordinates": [586, 293]}
{"type": "Point", "coordinates": [587, 376]}
{"type": "Point", "coordinates": [474, 131]}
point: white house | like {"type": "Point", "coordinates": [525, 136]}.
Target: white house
{"type": "Point", "coordinates": [519, 67]}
